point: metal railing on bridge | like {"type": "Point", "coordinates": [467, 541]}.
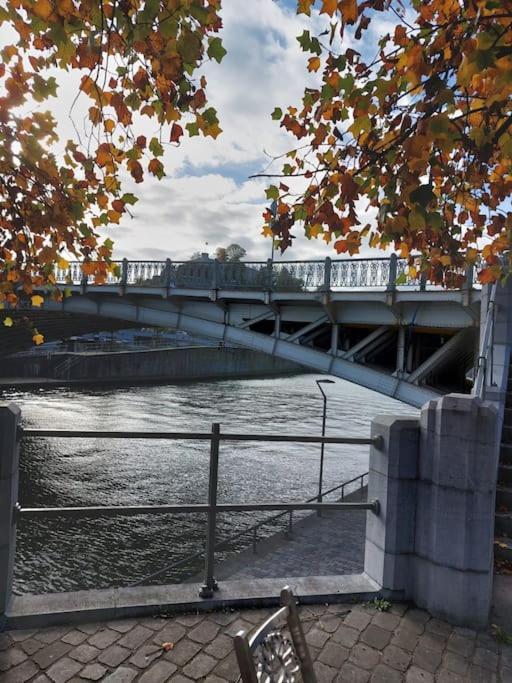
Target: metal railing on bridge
{"type": "Point", "coordinates": [210, 509]}
{"type": "Point", "coordinates": [328, 274]}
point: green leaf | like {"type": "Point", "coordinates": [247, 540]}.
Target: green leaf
{"type": "Point", "coordinates": [401, 279]}
{"type": "Point", "coordinates": [129, 198]}
{"type": "Point", "coordinates": [304, 40]}
{"type": "Point", "coordinates": [277, 114]}
{"type": "Point", "coordinates": [216, 49]}
{"type": "Point", "coordinates": [272, 192]}
{"type": "Point", "coordinates": [155, 147]}
{"type": "Point", "coordinates": [417, 219]}
{"type": "Point", "coordinates": [192, 129]}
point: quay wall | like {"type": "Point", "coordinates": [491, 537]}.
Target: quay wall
{"type": "Point", "coordinates": [194, 362]}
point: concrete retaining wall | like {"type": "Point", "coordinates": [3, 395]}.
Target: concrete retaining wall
{"type": "Point", "coordinates": [173, 364]}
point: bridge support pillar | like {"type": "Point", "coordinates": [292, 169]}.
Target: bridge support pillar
{"type": "Point", "coordinates": [435, 479]}
{"type": "Point", "coordinates": [335, 335]}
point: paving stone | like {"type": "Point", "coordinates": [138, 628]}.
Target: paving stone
{"type": "Point", "coordinates": [143, 657]}
{"type": "Point", "coordinates": [420, 616]}
{"type": "Point", "coordinates": [113, 655]}
{"type": "Point", "coordinates": [90, 628]}
{"type": "Point", "coordinates": [399, 608]}
{"type": "Point", "coordinates": [199, 666]}
{"type": "Point", "coordinates": [154, 623]}
{"type": "Point", "coordinates": [238, 625]}
{"type": "Point", "coordinates": [74, 637]}
{"type": "Point", "coordinates": [358, 620]}
{"type": "Point", "coordinates": [63, 670]}
{"type": "Point", "coordinates": [324, 673]}
{"type": "Point", "coordinates": [329, 623]}
{"type": "Point", "coordinates": [20, 673]}
{"type": "Point", "coordinates": [205, 632]}
{"type": "Point", "coordinates": [180, 678]}
{"type": "Point", "coordinates": [220, 647]}
{"type": "Point", "coordinates": [333, 655]}
{"type": "Point", "coordinates": [93, 672]}
{"type": "Point", "coordinates": [30, 645]}
{"type": "Point", "coordinates": [135, 637]}
{"type": "Point", "coordinates": [352, 674]}
{"type": "Point", "coordinates": [43, 678]}
{"type": "Point", "coordinates": [346, 636]}
{"type": "Point", "coordinates": [375, 637]}
{"type": "Point", "coordinates": [23, 634]}
{"type": "Point", "coordinates": [487, 642]}
{"type": "Point", "coordinates": [5, 641]}
{"type": "Point", "coordinates": [123, 674]}
{"type": "Point", "coordinates": [183, 652]}
{"type": "Point", "coordinates": [465, 632]}
{"type": "Point", "coordinates": [84, 653]}
{"type": "Point", "coordinates": [505, 674]}
{"type": "Point", "coordinates": [486, 659]}
{"type": "Point", "coordinates": [190, 619]}
{"type": "Point", "coordinates": [404, 639]}
{"type": "Point", "coordinates": [224, 618]}
{"type": "Point", "coordinates": [431, 641]}
{"type": "Point", "coordinates": [440, 628]}
{"type": "Point", "coordinates": [462, 645]}
{"type": "Point", "coordinates": [228, 668]}
{"type": "Point", "coordinates": [11, 657]}
{"type": "Point", "coordinates": [445, 676]}
{"type": "Point", "coordinates": [123, 625]}
{"type": "Point", "coordinates": [479, 675]}
{"type": "Point", "coordinates": [103, 638]}
{"type": "Point", "coordinates": [417, 675]}
{"type": "Point", "coordinates": [386, 620]}
{"type": "Point", "coordinates": [455, 663]}
{"type": "Point", "coordinates": [384, 674]}
{"type": "Point", "coordinates": [158, 672]}
{"type": "Point", "coordinates": [211, 678]}
{"type": "Point", "coordinates": [171, 633]}
{"type": "Point", "coordinates": [50, 635]}
{"type": "Point", "coordinates": [411, 625]}
{"type": "Point", "coordinates": [317, 638]}
{"type": "Point", "coordinates": [396, 658]}
{"type": "Point", "coordinates": [51, 653]}
{"type": "Point", "coordinates": [429, 660]}
{"type": "Point", "coordinates": [364, 656]}
{"type": "Point", "coordinates": [255, 616]}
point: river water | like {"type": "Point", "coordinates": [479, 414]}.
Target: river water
{"type": "Point", "coordinates": [62, 555]}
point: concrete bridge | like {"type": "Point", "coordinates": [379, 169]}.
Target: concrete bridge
{"type": "Point", "coordinates": [364, 320]}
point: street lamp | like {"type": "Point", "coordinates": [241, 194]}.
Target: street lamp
{"type": "Point", "coordinates": [319, 382]}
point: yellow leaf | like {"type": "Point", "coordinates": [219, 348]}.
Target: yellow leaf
{"type": "Point", "coordinates": [314, 64]}
{"type": "Point", "coordinates": [8, 322]}
{"type": "Point", "coordinates": [446, 260]}
{"type": "Point", "coordinates": [38, 339]}
{"type": "Point", "coordinates": [413, 273]}
{"type": "Point", "coordinates": [37, 300]}
{"type": "Point", "coordinates": [63, 263]}
{"type": "Point", "coordinates": [404, 250]}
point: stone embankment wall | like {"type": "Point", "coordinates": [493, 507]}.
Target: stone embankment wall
{"type": "Point", "coordinates": [200, 362]}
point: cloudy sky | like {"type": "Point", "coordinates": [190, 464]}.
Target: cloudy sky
{"type": "Point", "coordinates": [207, 200]}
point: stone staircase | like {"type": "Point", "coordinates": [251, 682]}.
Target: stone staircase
{"type": "Point", "coordinates": [503, 527]}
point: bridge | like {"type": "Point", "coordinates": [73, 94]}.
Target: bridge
{"type": "Point", "coordinates": [364, 320]}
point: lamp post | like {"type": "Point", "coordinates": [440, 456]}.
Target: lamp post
{"type": "Point", "coordinates": [319, 382]}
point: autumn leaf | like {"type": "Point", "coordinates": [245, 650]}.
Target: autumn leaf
{"type": "Point", "coordinates": [38, 338]}
{"type": "Point", "coordinates": [8, 322]}
{"type": "Point", "coordinates": [313, 63]}
{"type": "Point", "coordinates": [176, 132]}
{"type": "Point", "coordinates": [37, 300]}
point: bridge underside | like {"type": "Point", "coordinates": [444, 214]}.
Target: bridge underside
{"type": "Point", "coordinates": [411, 347]}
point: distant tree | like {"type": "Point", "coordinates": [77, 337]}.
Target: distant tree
{"type": "Point", "coordinates": [234, 252]}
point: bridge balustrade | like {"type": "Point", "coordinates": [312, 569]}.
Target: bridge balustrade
{"type": "Point", "coordinates": [330, 274]}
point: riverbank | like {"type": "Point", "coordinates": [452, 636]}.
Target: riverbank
{"type": "Point", "coordinates": [169, 364]}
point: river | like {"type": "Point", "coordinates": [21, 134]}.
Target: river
{"type": "Point", "coordinates": [61, 555]}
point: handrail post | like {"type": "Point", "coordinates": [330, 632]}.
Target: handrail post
{"type": "Point", "coordinates": [393, 266]}
{"type": "Point", "coordinates": [210, 585]}
{"type": "Point", "coordinates": [268, 275]}
{"type": "Point", "coordinates": [9, 473]}
{"type": "Point", "coordinates": [327, 273]}
{"type": "Point", "coordinates": [215, 274]}
{"type": "Point", "coordinates": [124, 276]}
{"type": "Point", "coordinates": [468, 285]}
{"type": "Point", "coordinates": [167, 275]}
{"type": "Point", "coordinates": [83, 283]}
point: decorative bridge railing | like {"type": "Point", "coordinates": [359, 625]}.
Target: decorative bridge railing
{"type": "Point", "coordinates": [329, 274]}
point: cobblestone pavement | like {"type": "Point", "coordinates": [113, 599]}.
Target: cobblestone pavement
{"type": "Point", "coordinates": [349, 643]}
{"type": "Point", "coordinates": [330, 545]}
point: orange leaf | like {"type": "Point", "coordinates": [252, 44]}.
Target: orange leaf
{"type": "Point", "coordinates": [349, 10]}
{"type": "Point", "coordinates": [314, 64]}
{"type": "Point", "coordinates": [42, 9]}
{"type": "Point", "coordinates": [329, 7]}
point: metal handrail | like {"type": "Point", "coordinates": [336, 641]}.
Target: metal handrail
{"type": "Point", "coordinates": [485, 360]}
{"type": "Point", "coordinates": [251, 529]}
{"type": "Point", "coordinates": [212, 507]}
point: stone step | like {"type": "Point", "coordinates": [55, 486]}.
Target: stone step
{"type": "Point", "coordinates": [503, 498]}
{"type": "Point", "coordinates": [503, 525]}
{"type": "Point", "coordinates": [505, 475]}
{"type": "Point", "coordinates": [503, 548]}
